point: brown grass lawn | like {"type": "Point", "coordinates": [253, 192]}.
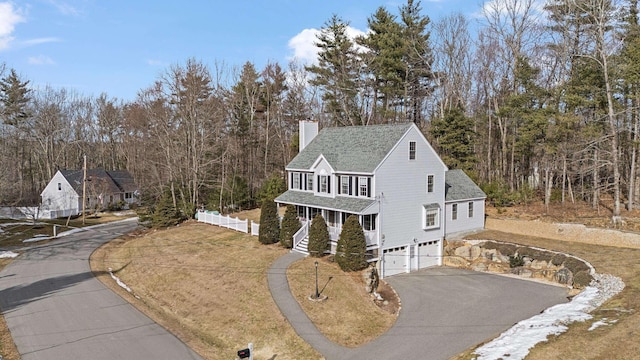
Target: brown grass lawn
{"type": "Point", "coordinates": [208, 286]}
{"type": "Point", "coordinates": [8, 349]}
{"type": "Point", "coordinates": [617, 341]}
{"type": "Point", "coordinates": [349, 315]}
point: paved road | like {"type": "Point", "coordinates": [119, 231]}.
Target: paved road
{"type": "Point", "coordinates": [56, 309]}
{"type": "Point", "coordinates": [444, 312]}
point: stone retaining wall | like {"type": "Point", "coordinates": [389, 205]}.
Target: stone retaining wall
{"type": "Point", "coordinates": [496, 257]}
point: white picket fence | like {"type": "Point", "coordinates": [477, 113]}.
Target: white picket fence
{"type": "Point", "coordinates": [228, 222]}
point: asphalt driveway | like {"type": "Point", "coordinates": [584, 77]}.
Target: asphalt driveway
{"type": "Point", "coordinates": [444, 312]}
{"type": "Point", "coordinates": [56, 309]}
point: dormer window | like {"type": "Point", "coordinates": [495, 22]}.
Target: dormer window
{"type": "Point", "coordinates": [324, 184]}
{"type": "Point", "coordinates": [412, 150]}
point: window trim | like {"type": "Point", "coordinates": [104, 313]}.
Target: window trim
{"type": "Point", "coordinates": [59, 186]}
{"type": "Point", "coordinates": [412, 150]}
{"type": "Point", "coordinates": [470, 209]}
{"type": "Point", "coordinates": [454, 212]}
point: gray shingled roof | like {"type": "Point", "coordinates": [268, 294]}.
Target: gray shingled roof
{"type": "Point", "coordinates": [351, 148]}
{"type": "Point", "coordinates": [347, 204]}
{"type": "Point", "coordinates": [112, 182]}
{"type": "Point", "coordinates": [458, 186]}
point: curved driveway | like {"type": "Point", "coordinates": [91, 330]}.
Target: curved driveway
{"type": "Point", "coordinates": [56, 309]}
{"type": "Point", "coordinates": [444, 312]}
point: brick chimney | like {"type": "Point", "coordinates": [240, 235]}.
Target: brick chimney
{"type": "Point", "coordinates": [307, 130]}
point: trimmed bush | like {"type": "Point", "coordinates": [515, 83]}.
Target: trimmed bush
{"type": "Point", "coordinates": [534, 254]}
{"type": "Point", "coordinates": [290, 225]}
{"type": "Point", "coordinates": [558, 259]}
{"type": "Point", "coordinates": [318, 237]}
{"type": "Point", "coordinates": [352, 246]}
{"type": "Point", "coordinates": [575, 265]}
{"type": "Point", "coordinates": [582, 279]}
{"type": "Point", "coordinates": [269, 232]}
{"type": "Point", "coordinates": [504, 249]}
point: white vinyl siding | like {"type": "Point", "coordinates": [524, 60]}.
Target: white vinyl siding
{"type": "Point", "coordinates": [403, 194]}
{"type": "Point", "coordinates": [470, 216]}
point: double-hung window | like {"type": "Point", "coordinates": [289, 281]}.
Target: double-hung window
{"type": "Point", "coordinates": [471, 209]}
{"type": "Point", "coordinates": [431, 216]}
{"type": "Point", "coordinates": [310, 182]}
{"type": "Point", "coordinates": [344, 184]}
{"type": "Point", "coordinates": [430, 183]}
{"type": "Point", "coordinates": [363, 184]}
{"type": "Point", "coordinates": [412, 150]}
{"type": "Point", "coordinates": [454, 212]}
{"type": "Point", "coordinates": [369, 222]}
{"type": "Point", "coordinates": [295, 181]}
{"type": "Point", "coordinates": [323, 185]}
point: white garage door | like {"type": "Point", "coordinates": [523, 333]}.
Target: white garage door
{"type": "Point", "coordinates": [395, 261]}
{"type": "Point", "coordinates": [428, 253]}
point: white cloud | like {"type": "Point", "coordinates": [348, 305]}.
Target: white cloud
{"type": "Point", "coordinates": [39, 41]}
{"type": "Point", "coordinates": [40, 60]}
{"type": "Point", "coordinates": [9, 17]}
{"type": "Point", "coordinates": [304, 48]}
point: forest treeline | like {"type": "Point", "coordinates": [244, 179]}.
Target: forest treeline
{"type": "Point", "coordinates": [531, 101]}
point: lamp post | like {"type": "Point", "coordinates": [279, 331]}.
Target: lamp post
{"type": "Point", "coordinates": [317, 294]}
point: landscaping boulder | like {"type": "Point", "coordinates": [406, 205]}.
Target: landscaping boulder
{"type": "Point", "coordinates": [563, 276]}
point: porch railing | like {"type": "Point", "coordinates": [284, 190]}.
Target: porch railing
{"type": "Point", "coordinates": [371, 236]}
{"type": "Point", "coordinates": [301, 234]}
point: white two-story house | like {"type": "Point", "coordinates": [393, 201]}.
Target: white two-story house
{"type": "Point", "coordinates": [393, 180]}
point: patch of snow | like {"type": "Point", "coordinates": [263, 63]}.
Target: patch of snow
{"type": "Point", "coordinates": [602, 322]}
{"type": "Point", "coordinates": [597, 324]}
{"type": "Point", "coordinates": [7, 255]}
{"type": "Point", "coordinates": [121, 283]}
{"type": "Point", "coordinates": [516, 342]}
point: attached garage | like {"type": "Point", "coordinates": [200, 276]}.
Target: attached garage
{"type": "Point", "coordinates": [428, 254]}
{"type": "Point", "coordinates": [395, 261]}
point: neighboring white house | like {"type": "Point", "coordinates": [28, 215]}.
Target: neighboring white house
{"type": "Point", "coordinates": [393, 180]}
{"type": "Point", "coordinates": [63, 194]}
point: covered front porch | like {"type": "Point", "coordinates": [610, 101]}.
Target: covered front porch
{"type": "Point", "coordinates": [335, 212]}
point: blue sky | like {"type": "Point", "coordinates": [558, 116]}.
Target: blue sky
{"type": "Point", "coordinates": [120, 47]}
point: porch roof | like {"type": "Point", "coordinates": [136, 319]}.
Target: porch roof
{"type": "Point", "coordinates": [347, 204]}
